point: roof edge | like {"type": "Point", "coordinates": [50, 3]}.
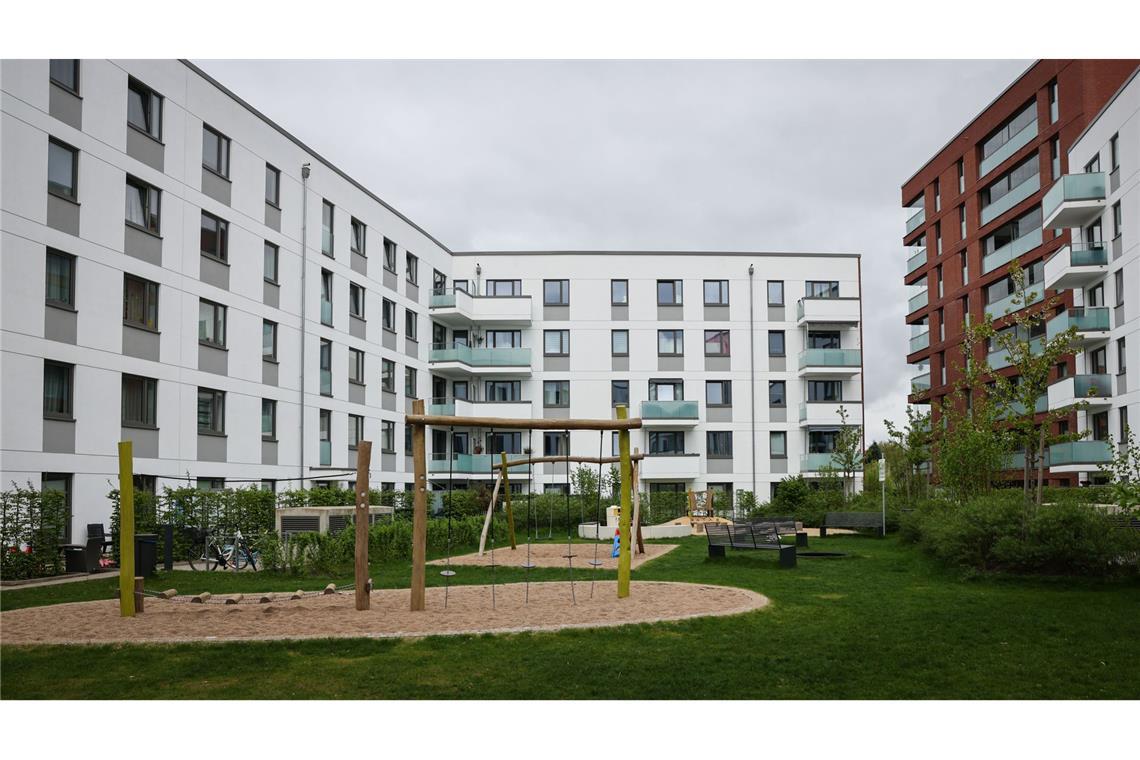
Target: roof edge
{"type": "Point", "coordinates": [525, 251]}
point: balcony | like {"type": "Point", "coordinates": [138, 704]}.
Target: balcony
{"type": "Point", "coordinates": [917, 301]}
{"type": "Point", "coordinates": [920, 341]}
{"type": "Point", "coordinates": [920, 383]}
{"type": "Point", "coordinates": [458, 308]}
{"type": "Point", "coordinates": [1074, 200]}
{"type": "Point", "coordinates": [917, 259]}
{"type": "Point", "coordinates": [1012, 198]}
{"type": "Point", "coordinates": [999, 358]}
{"type": "Point", "coordinates": [1016, 409]}
{"type": "Point", "coordinates": [916, 221]}
{"type": "Point", "coordinates": [669, 413]}
{"type": "Point", "coordinates": [815, 464]}
{"type": "Point", "coordinates": [1079, 265]}
{"type": "Point", "coordinates": [670, 467]}
{"type": "Point", "coordinates": [1015, 143]}
{"type": "Point", "coordinates": [1033, 294]}
{"type": "Point", "coordinates": [458, 360]}
{"type": "Point", "coordinates": [1011, 251]}
{"type": "Point", "coordinates": [831, 361]}
{"type": "Point", "coordinates": [472, 464]}
{"type": "Point", "coordinates": [1094, 390]}
{"type": "Point", "coordinates": [515, 410]}
{"type": "Point", "coordinates": [826, 413]}
{"type": "Point", "coordinates": [1079, 456]}
{"type": "Point", "coordinates": [843, 312]}
{"type": "Point", "coordinates": [1091, 322]}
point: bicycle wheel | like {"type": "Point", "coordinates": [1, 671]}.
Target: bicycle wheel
{"type": "Point", "coordinates": [200, 558]}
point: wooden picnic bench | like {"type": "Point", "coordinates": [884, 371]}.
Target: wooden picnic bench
{"type": "Point", "coordinates": [853, 520]}
{"type": "Point", "coordinates": [748, 536]}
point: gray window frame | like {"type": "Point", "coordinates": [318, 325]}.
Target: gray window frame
{"type": "Point", "coordinates": [148, 387]}
{"type": "Point", "coordinates": [563, 341]}
{"type": "Point", "coordinates": [151, 195]}
{"type": "Point", "coordinates": [387, 375]}
{"type": "Point", "coordinates": [614, 384]}
{"type": "Point", "coordinates": [70, 260]}
{"type": "Point", "coordinates": [72, 88]}
{"type": "Point", "coordinates": [219, 324]}
{"type": "Point", "coordinates": [768, 295]}
{"type": "Point", "coordinates": [411, 325]}
{"type": "Point", "coordinates": [614, 302]}
{"type": "Point", "coordinates": [725, 394]}
{"type": "Point", "coordinates": [355, 430]}
{"type": "Point", "coordinates": [783, 384]}
{"type": "Point", "coordinates": [678, 292]}
{"type": "Point", "coordinates": [388, 436]}
{"type": "Point", "coordinates": [73, 195]}
{"type": "Point", "coordinates": [722, 291]}
{"type": "Point", "coordinates": [267, 246]}
{"type": "Point", "coordinates": [221, 155]}
{"type": "Point", "coordinates": [783, 342]}
{"type": "Point", "coordinates": [724, 344]}
{"type": "Point", "coordinates": [563, 293]}
{"type": "Point", "coordinates": [271, 357]}
{"type": "Point", "coordinates": [780, 435]}
{"type": "Point", "coordinates": [356, 364]}
{"type": "Point", "coordinates": [222, 235]}
{"type": "Point", "coordinates": [678, 345]}
{"type": "Point", "coordinates": [153, 105]}
{"type": "Point", "coordinates": [150, 293]}
{"type": "Point", "coordinates": [275, 173]}
{"type": "Point", "coordinates": [561, 394]}
{"type": "Point", "coordinates": [217, 411]}
{"type": "Point", "coordinates": [358, 246]}
{"type": "Point", "coordinates": [710, 436]}
{"type": "Point", "coordinates": [67, 398]}
{"type": "Point", "coordinates": [272, 434]}
{"type": "Point", "coordinates": [355, 287]}
{"type": "Point", "coordinates": [390, 254]}
{"type": "Point", "coordinates": [411, 381]}
{"type": "Point", "coordinates": [388, 315]}
{"type": "Point", "coordinates": [613, 349]}
{"type": "Point", "coordinates": [412, 268]}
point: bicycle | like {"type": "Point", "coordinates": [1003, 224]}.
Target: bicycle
{"type": "Point", "coordinates": [206, 553]}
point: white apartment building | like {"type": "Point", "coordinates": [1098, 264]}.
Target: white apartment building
{"type": "Point", "coordinates": [136, 197]}
{"type": "Point", "coordinates": [1101, 206]}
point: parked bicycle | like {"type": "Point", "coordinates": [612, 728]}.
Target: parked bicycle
{"type": "Point", "coordinates": [207, 553]}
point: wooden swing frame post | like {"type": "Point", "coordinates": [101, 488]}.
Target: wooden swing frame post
{"type": "Point", "coordinates": [505, 475]}
{"type": "Point", "coordinates": [419, 422]}
{"type": "Point", "coordinates": [624, 520]}
{"type": "Point", "coordinates": [126, 530]}
{"type": "Point", "coordinates": [363, 461]}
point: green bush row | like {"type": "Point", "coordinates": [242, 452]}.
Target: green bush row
{"type": "Point", "coordinates": [32, 524]}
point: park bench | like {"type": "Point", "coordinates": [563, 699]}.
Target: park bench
{"type": "Point", "coordinates": [1124, 521]}
{"type": "Point", "coordinates": [853, 520]}
{"type": "Point", "coordinates": [784, 526]}
{"type": "Point", "coordinates": [747, 536]}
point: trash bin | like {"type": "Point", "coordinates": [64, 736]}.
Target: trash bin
{"type": "Point", "coordinates": [146, 553]}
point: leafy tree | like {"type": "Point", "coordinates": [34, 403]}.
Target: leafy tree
{"type": "Point", "coordinates": [1124, 472]}
{"type": "Point", "coordinates": [874, 453]}
{"type": "Point", "coordinates": [848, 454]}
{"type": "Point", "coordinates": [911, 447]}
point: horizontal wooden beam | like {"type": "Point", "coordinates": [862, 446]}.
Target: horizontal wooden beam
{"type": "Point", "coordinates": [577, 460]}
{"type": "Point", "coordinates": [503, 423]}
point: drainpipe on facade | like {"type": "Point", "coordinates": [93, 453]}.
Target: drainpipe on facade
{"type": "Point", "coordinates": [751, 376]}
{"type": "Point", "coordinates": [304, 266]}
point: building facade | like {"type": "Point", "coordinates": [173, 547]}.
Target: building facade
{"type": "Point", "coordinates": [136, 199]}
{"type": "Point", "coordinates": [976, 205]}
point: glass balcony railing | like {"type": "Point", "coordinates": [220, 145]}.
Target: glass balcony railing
{"type": "Point", "coordinates": [917, 301]}
{"type": "Point", "coordinates": [442, 406]}
{"type": "Point", "coordinates": [472, 464]}
{"type": "Point", "coordinates": [915, 221]}
{"type": "Point", "coordinates": [480, 357]}
{"type": "Point", "coordinates": [439, 300]}
{"type": "Point", "coordinates": [1092, 386]}
{"type": "Point", "coordinates": [669, 410]}
{"type": "Point", "coordinates": [1012, 198]}
{"type": "Point", "coordinates": [1033, 294]}
{"type": "Point", "coordinates": [920, 383]}
{"type": "Point", "coordinates": [1017, 408]}
{"type": "Point", "coordinates": [818, 462]}
{"type": "Point", "coordinates": [1088, 255]}
{"type": "Point", "coordinates": [920, 341]}
{"type": "Point", "coordinates": [1080, 452]}
{"type": "Point", "coordinates": [831, 357]}
{"type": "Point", "coordinates": [1073, 187]}
{"type": "Point", "coordinates": [1011, 146]}
{"type": "Point", "coordinates": [1085, 319]}
{"type": "Point", "coordinates": [326, 382]}
{"type": "Point", "coordinates": [916, 260]}
{"type": "Point", "coordinates": [326, 453]}
{"type": "Point", "coordinates": [999, 358]}
{"type": "Point", "coordinates": [326, 312]}
{"type": "Point", "coordinates": [1011, 251]}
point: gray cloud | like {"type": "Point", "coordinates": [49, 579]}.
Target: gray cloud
{"type": "Point", "coordinates": [780, 155]}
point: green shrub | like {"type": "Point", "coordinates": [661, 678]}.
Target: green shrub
{"type": "Point", "coordinates": [32, 523]}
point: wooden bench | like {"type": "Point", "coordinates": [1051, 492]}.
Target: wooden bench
{"type": "Point", "coordinates": [1124, 521]}
{"type": "Point", "coordinates": [853, 520]}
{"type": "Point", "coordinates": [785, 526]}
{"type": "Point", "coordinates": [748, 536]}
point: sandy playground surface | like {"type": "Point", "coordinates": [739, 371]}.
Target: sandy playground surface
{"type": "Point", "coordinates": [554, 555]}
{"type": "Point", "coordinates": [469, 610]}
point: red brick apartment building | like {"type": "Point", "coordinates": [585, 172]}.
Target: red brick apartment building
{"type": "Point", "coordinates": [977, 205]}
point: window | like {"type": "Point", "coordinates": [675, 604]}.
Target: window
{"type": "Point", "coordinates": [1098, 361]}
{"type": "Point", "coordinates": [1117, 220]}
{"type": "Point", "coordinates": [669, 293]}
{"type": "Point", "coordinates": [389, 314]}
{"type": "Point", "coordinates": [1055, 157]}
{"type": "Point", "coordinates": [58, 389]}
{"type": "Point", "coordinates": [965, 270]}
{"type": "Point", "coordinates": [55, 481]}
{"type": "Point", "coordinates": [268, 419]}
{"type": "Point", "coordinates": [272, 186]}
{"type": "Point", "coordinates": [937, 195]}
{"type": "Point", "coordinates": [775, 292]}
{"type": "Point", "coordinates": [504, 287]}
{"type": "Point", "coordinates": [962, 222]}
{"type": "Point", "coordinates": [356, 366]}
{"type": "Point", "coordinates": [498, 390]}
{"type": "Point", "coordinates": [211, 411]}
{"type": "Point", "coordinates": [408, 449]}
{"type": "Point", "coordinates": [1054, 110]}
{"type": "Point", "coordinates": [411, 268]}
{"type": "Point", "coordinates": [459, 389]}
{"type": "Point", "coordinates": [1100, 426]}
{"type": "Point", "coordinates": [140, 302]}
{"type": "Point", "coordinates": [355, 430]}
{"type": "Point", "coordinates": [215, 151]}
{"type": "Point", "coordinates": [556, 393]}
{"type": "Point", "coordinates": [821, 289]}
{"type": "Point", "coordinates": [410, 382]}
{"type": "Point", "coordinates": [718, 444]}
{"type": "Point", "coordinates": [498, 443]}
{"type": "Point", "coordinates": [359, 236]}
{"type": "Point", "coordinates": [324, 360]}
{"type": "Point", "coordinates": [60, 279]}
{"type": "Point", "coordinates": [389, 255]}
{"type": "Point", "coordinates": [1122, 413]}
{"type": "Point", "coordinates": [1026, 170]}
{"type": "Point", "coordinates": [411, 325]}
{"type": "Point", "coordinates": [619, 342]}
{"type": "Point", "coordinates": [938, 238]}
{"type": "Point", "coordinates": [215, 234]}
{"type": "Point", "coordinates": [718, 393]}
{"type": "Point", "coordinates": [268, 340]}
{"type": "Point", "coordinates": [324, 423]}
{"type": "Point", "coordinates": [555, 444]}
{"type": "Point", "coordinates": [388, 436]}
{"type": "Point", "coordinates": [1118, 286]}
{"type": "Point", "coordinates": [823, 339]}
{"type": "Point", "coordinates": [326, 297]}
{"type": "Point", "coordinates": [619, 392]}
{"type": "Point", "coordinates": [670, 342]}
{"type": "Point", "coordinates": [497, 338]}
{"type": "Point", "coordinates": [461, 286]}
{"type": "Point", "coordinates": [825, 390]}
{"type": "Point", "coordinates": [776, 343]}
{"type": "Point", "coordinates": [65, 73]}
{"type": "Point", "coordinates": [556, 292]}
{"type": "Point", "coordinates": [716, 343]}
{"type": "Point", "coordinates": [144, 109]}
{"type": "Point", "coordinates": [1113, 154]}
{"type": "Point", "coordinates": [1093, 165]}
{"type": "Point", "coordinates": [388, 375]}
{"type": "Point", "coordinates": [327, 214]}
{"type": "Point", "coordinates": [777, 393]}
{"type": "Point", "coordinates": [619, 292]}
{"type": "Point", "coordinates": [556, 342]}
{"type": "Point", "coordinates": [356, 300]}
{"type": "Point", "coordinates": [438, 281]}
{"type": "Point", "coordinates": [142, 205]}
{"type": "Point", "coordinates": [716, 292]}
{"type": "Point", "coordinates": [1010, 231]}
{"type": "Point", "coordinates": [211, 323]}
{"type": "Point", "coordinates": [778, 444]}
{"type": "Point", "coordinates": [666, 442]}
{"type": "Point", "coordinates": [961, 176]}
{"type": "Point", "coordinates": [63, 170]}
{"type": "Point", "coordinates": [666, 390]}
{"type": "Point", "coordinates": [1121, 357]}
{"type": "Point", "coordinates": [1010, 129]}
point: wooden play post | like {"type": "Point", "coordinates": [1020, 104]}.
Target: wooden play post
{"type": "Point", "coordinates": [419, 514]}
{"type": "Point", "coordinates": [126, 530]}
{"type": "Point", "coordinates": [626, 506]}
{"type": "Point", "coordinates": [490, 514]}
{"type": "Point", "coordinates": [363, 462]}
{"type": "Point", "coordinates": [507, 502]}
{"type": "Point", "coordinates": [635, 486]}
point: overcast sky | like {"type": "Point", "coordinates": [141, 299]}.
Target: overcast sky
{"type": "Point", "coordinates": [782, 156]}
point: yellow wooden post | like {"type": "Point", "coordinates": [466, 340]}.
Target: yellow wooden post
{"type": "Point", "coordinates": [507, 502]}
{"type": "Point", "coordinates": [126, 530]}
{"type": "Point", "coordinates": [626, 507]}
{"type": "Point", "coordinates": [419, 513]}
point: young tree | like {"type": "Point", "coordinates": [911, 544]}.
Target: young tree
{"type": "Point", "coordinates": [848, 454]}
{"type": "Point", "coordinates": [1124, 473]}
{"type": "Point", "coordinates": [913, 443]}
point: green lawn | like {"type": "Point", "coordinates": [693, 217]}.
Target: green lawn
{"type": "Point", "coordinates": [882, 623]}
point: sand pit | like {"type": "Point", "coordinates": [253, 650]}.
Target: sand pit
{"type": "Point", "coordinates": [468, 610]}
{"type": "Point", "coordinates": [554, 555]}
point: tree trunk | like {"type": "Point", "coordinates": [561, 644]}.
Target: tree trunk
{"type": "Point", "coordinates": [1040, 465]}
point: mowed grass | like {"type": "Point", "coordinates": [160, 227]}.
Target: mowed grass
{"type": "Point", "coordinates": [882, 623]}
